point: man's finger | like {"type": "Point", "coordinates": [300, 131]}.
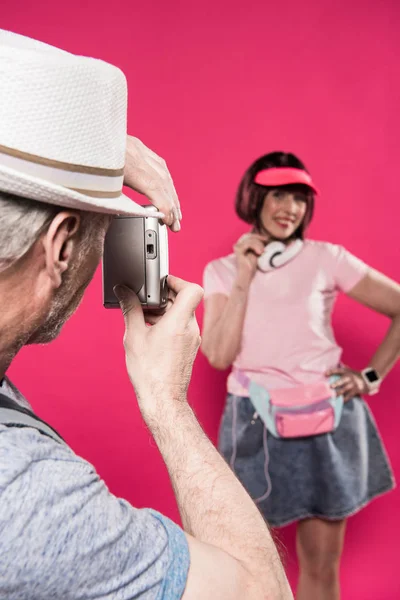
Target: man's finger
{"type": "Point", "coordinates": [151, 153]}
{"type": "Point", "coordinates": [131, 308]}
{"type": "Point", "coordinates": [177, 285]}
{"type": "Point", "coordinates": [161, 199]}
{"type": "Point", "coordinates": [160, 165]}
{"type": "Point", "coordinates": [166, 185]}
{"type": "Point", "coordinates": [188, 295]}
{"type": "Point", "coordinates": [153, 318]}
{"type": "Point", "coordinates": [147, 173]}
{"type": "Point", "coordinates": [148, 182]}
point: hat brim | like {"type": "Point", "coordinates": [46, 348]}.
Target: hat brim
{"type": "Point", "coordinates": [33, 188]}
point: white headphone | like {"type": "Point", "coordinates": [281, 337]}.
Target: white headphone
{"type": "Point", "coordinates": [277, 254]}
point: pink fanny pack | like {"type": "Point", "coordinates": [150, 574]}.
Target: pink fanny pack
{"type": "Point", "coordinates": [302, 411]}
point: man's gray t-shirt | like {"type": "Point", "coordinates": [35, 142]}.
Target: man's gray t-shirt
{"type": "Point", "coordinates": [63, 535]}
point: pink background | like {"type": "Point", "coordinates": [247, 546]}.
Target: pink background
{"type": "Point", "coordinates": [213, 85]}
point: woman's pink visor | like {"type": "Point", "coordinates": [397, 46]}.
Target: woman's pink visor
{"type": "Point", "coordinates": [284, 176]}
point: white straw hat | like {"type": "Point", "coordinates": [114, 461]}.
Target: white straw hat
{"type": "Point", "coordinates": [62, 127]}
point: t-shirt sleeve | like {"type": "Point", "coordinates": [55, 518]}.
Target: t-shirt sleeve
{"type": "Point", "coordinates": [346, 269]}
{"type": "Point", "coordinates": [217, 279]}
{"type": "Point", "coordinates": [64, 535]}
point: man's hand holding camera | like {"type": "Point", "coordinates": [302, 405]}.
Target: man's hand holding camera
{"type": "Point", "coordinates": [147, 173]}
{"type": "Point", "coordinates": [159, 358]}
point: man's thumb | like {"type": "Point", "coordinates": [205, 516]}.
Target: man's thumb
{"type": "Point", "coordinates": [129, 302]}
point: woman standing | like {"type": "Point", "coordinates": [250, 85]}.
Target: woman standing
{"type": "Point", "coordinates": [302, 454]}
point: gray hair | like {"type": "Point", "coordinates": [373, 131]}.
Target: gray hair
{"type": "Point", "coordinates": [22, 221]}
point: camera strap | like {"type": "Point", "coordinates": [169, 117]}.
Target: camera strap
{"type": "Point", "coordinates": [13, 414]}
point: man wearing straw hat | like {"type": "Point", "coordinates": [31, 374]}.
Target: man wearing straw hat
{"type": "Point", "coordinates": [64, 157]}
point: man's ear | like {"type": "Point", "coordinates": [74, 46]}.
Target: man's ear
{"type": "Point", "coordinates": [59, 242]}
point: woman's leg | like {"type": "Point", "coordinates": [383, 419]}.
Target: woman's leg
{"type": "Point", "coordinates": [319, 548]}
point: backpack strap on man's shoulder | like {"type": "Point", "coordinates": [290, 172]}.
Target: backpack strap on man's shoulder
{"type": "Point", "coordinates": [13, 414]}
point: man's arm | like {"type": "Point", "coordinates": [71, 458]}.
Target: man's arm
{"type": "Point", "coordinates": [232, 553]}
{"type": "Point", "coordinates": [230, 545]}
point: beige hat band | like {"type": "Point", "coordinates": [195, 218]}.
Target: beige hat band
{"type": "Point", "coordinates": [91, 181]}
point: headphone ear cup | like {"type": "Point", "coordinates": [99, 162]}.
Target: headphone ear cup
{"type": "Point", "coordinates": [272, 250]}
{"type": "Point", "coordinates": [290, 252]}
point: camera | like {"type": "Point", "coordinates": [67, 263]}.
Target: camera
{"type": "Point", "coordinates": [136, 255]}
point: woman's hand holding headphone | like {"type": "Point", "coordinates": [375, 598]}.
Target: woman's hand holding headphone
{"type": "Point", "coordinates": [247, 249]}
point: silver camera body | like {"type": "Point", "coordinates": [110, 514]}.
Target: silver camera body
{"type": "Point", "coordinates": [136, 255]}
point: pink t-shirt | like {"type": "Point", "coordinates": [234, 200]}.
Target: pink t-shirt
{"type": "Point", "coordinates": [287, 334]}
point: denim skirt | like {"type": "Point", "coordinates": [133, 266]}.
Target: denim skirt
{"type": "Point", "coordinates": [328, 476]}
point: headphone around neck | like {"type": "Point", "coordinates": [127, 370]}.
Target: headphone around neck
{"type": "Point", "coordinates": [277, 254]}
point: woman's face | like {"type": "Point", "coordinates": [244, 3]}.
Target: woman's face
{"type": "Point", "coordinates": [282, 212]}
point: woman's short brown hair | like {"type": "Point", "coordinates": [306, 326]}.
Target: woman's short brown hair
{"type": "Point", "coordinates": [250, 196]}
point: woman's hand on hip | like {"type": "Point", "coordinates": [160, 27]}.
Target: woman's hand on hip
{"type": "Point", "coordinates": [248, 249]}
{"type": "Point", "coordinates": [349, 384]}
